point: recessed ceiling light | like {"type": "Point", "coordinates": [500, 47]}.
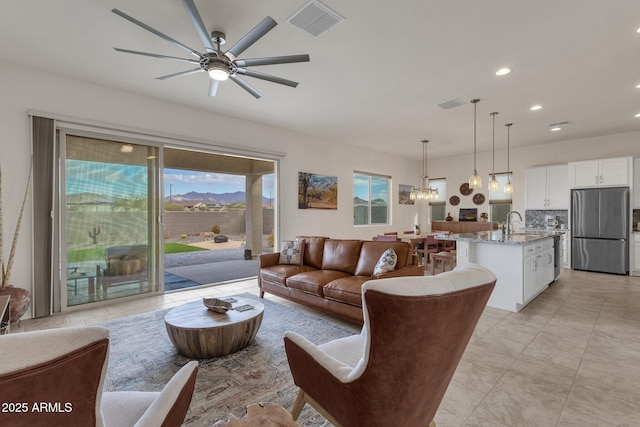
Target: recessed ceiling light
{"type": "Point", "coordinates": [638, 30]}
{"type": "Point", "coordinates": [637, 115]}
{"type": "Point", "coordinates": [503, 71]}
{"type": "Point", "coordinates": [536, 108]}
{"type": "Point", "coordinates": [638, 86]}
{"type": "Point", "coordinates": [555, 129]}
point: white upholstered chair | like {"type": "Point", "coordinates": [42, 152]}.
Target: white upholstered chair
{"type": "Point", "coordinates": [65, 369]}
{"type": "Point", "coordinates": [397, 370]}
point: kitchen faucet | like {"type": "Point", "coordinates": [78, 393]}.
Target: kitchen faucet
{"type": "Point", "coordinates": [509, 228]}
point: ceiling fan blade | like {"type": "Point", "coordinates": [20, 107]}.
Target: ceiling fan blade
{"type": "Point", "coordinates": [272, 60]}
{"type": "Point", "coordinates": [181, 73]}
{"type": "Point", "coordinates": [192, 11]}
{"type": "Point", "coordinates": [268, 77]}
{"type": "Point", "coordinates": [251, 37]}
{"type": "Point", "coordinates": [246, 86]}
{"type": "Point", "coordinates": [213, 87]}
{"type": "Point", "coordinates": [155, 55]}
{"type": "Point", "coordinates": [156, 32]}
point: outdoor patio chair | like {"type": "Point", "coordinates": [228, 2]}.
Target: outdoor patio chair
{"type": "Point", "coordinates": [124, 265]}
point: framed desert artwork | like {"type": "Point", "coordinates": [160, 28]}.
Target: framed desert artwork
{"type": "Point", "coordinates": [317, 191]}
{"type": "Point", "coordinates": [404, 193]}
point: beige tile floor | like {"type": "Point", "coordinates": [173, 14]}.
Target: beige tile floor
{"type": "Point", "coordinates": [570, 358]}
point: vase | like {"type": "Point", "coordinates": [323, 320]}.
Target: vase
{"type": "Point", "coordinates": [19, 302]}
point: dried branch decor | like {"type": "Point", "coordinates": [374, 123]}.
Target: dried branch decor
{"type": "Point", "coordinates": [6, 268]}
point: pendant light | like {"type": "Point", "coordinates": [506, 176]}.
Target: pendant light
{"type": "Point", "coordinates": [424, 192]}
{"type": "Point", "coordinates": [508, 187]}
{"type": "Point", "coordinates": [494, 185]}
{"type": "Point", "coordinates": [475, 181]}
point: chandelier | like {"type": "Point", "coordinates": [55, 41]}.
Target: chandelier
{"type": "Point", "coordinates": [424, 192]}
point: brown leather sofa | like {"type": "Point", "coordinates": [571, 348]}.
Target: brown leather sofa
{"type": "Point", "coordinates": [332, 273]}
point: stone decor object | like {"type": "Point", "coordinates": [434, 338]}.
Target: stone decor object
{"type": "Point", "coordinates": [217, 305]}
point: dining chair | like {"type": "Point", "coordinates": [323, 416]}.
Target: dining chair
{"type": "Point", "coordinates": [418, 245]}
{"type": "Point", "coordinates": [386, 238]}
{"type": "Point", "coordinates": [431, 247]}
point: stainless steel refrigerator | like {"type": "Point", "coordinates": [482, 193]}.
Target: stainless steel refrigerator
{"type": "Point", "coordinates": [600, 230]}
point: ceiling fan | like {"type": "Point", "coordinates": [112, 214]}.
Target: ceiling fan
{"type": "Point", "coordinates": [220, 66]}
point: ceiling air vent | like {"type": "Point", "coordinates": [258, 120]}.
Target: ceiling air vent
{"type": "Point", "coordinates": [559, 124]}
{"type": "Point", "coordinates": [315, 18]}
{"type": "Point", "coordinates": [451, 104]}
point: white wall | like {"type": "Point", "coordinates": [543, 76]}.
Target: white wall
{"type": "Point", "coordinates": [27, 89]}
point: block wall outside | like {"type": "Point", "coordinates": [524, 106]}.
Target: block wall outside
{"type": "Point", "coordinates": [119, 228]}
{"type": "Point", "coordinates": [231, 222]}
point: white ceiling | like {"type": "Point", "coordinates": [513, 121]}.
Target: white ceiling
{"type": "Point", "coordinates": [377, 78]}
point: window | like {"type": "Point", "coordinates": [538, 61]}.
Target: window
{"type": "Point", "coordinates": [499, 201]}
{"type": "Point", "coordinates": [370, 198]}
{"type": "Point", "coordinates": [439, 205]}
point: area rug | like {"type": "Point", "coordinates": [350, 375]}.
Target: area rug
{"type": "Point", "coordinates": [143, 358]}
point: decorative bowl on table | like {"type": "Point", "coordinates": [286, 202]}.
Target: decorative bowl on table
{"type": "Point", "coordinates": [217, 305]}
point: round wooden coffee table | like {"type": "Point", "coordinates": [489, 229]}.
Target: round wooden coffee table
{"type": "Point", "coordinates": [200, 333]}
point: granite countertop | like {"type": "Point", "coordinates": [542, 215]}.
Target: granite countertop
{"type": "Point", "coordinates": [496, 236]}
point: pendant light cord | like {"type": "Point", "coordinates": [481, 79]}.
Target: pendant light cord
{"type": "Point", "coordinates": [475, 107]}
{"type": "Point", "coordinates": [508, 125]}
{"type": "Point", "coordinates": [424, 158]}
{"type": "Point", "coordinates": [494, 143]}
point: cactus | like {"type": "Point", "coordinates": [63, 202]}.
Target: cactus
{"type": "Point", "coordinates": [94, 234]}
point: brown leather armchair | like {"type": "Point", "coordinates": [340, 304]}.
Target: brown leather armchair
{"type": "Point", "coordinates": [397, 370]}
{"type": "Point", "coordinates": [55, 378]}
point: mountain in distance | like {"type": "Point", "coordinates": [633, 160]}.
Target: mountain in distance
{"type": "Point", "coordinates": [212, 198]}
{"type": "Point", "coordinates": [358, 201]}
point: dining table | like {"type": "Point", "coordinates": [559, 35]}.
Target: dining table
{"type": "Point", "coordinates": [412, 237]}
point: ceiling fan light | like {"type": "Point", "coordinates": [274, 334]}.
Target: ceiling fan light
{"type": "Point", "coordinates": [218, 74]}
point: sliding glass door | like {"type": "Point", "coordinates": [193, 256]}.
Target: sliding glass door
{"type": "Point", "coordinates": [109, 223]}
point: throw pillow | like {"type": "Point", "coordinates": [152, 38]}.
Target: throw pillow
{"type": "Point", "coordinates": [291, 252]}
{"type": "Point", "coordinates": [387, 262]}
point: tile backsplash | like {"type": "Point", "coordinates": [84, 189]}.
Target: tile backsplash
{"type": "Point", "coordinates": [534, 219]}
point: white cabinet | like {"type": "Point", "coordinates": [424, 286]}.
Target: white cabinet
{"type": "Point", "coordinates": [547, 187]}
{"type": "Point", "coordinates": [523, 270]}
{"type": "Point", "coordinates": [603, 172]}
{"type": "Point", "coordinates": [636, 254]}
{"type": "Point", "coordinates": [565, 249]}
{"type": "Point", "coordinates": [530, 277]}
{"type": "Point", "coordinates": [538, 268]}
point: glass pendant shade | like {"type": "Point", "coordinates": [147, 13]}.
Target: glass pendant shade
{"type": "Point", "coordinates": [475, 181]}
{"type": "Point", "coordinates": [508, 188]}
{"type": "Point", "coordinates": [494, 185]}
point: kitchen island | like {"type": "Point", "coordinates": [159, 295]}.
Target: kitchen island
{"type": "Point", "coordinates": [522, 262]}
